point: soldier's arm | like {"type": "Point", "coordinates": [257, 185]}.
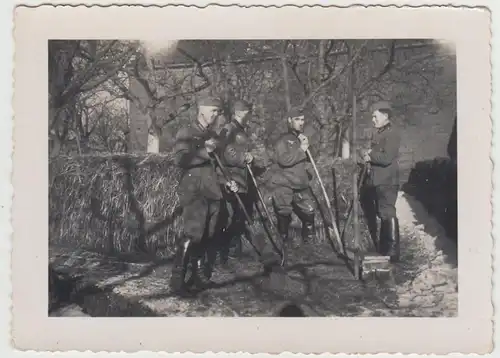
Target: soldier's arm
{"type": "Point", "coordinates": [288, 158]}
{"type": "Point", "coordinates": [389, 152]}
{"type": "Point", "coordinates": [234, 157]}
{"type": "Point", "coordinates": [187, 156]}
{"type": "Point", "coordinates": [260, 159]}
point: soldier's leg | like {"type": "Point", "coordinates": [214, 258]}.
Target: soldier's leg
{"type": "Point", "coordinates": [239, 226]}
{"type": "Point", "coordinates": [389, 230]}
{"type": "Point", "coordinates": [368, 201]}
{"type": "Point", "coordinates": [303, 206]}
{"type": "Point", "coordinates": [202, 270]}
{"type": "Point", "coordinates": [194, 212]}
{"type": "Point", "coordinates": [282, 202]}
{"type": "Point", "coordinates": [227, 235]}
{"type": "Point", "coordinates": [216, 244]}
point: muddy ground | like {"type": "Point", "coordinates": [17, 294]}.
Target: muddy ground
{"type": "Point", "coordinates": [424, 284]}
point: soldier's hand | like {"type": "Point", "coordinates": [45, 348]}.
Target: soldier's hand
{"type": "Point", "coordinates": [248, 158]}
{"type": "Point", "coordinates": [304, 142]}
{"type": "Point", "coordinates": [366, 155]}
{"type": "Point", "coordinates": [232, 186]}
{"type": "Point", "coordinates": [210, 145]}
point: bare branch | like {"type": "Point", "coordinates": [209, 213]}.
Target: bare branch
{"type": "Point", "coordinates": [385, 69]}
{"type": "Point", "coordinates": [333, 76]}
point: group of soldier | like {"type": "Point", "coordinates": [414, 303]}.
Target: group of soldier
{"type": "Point", "coordinates": [215, 170]}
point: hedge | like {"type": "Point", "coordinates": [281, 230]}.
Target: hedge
{"type": "Point", "coordinates": [124, 203]}
{"type": "Point", "coordinates": [434, 184]}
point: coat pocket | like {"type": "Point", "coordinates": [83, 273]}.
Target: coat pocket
{"type": "Point", "coordinates": [189, 187]}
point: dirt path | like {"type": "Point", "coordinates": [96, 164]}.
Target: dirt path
{"type": "Point", "coordinates": [425, 283]}
{"type": "Point", "coordinates": [432, 289]}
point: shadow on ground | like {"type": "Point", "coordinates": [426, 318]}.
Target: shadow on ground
{"type": "Point", "coordinates": [315, 280]}
{"type": "Point", "coordinates": [432, 185]}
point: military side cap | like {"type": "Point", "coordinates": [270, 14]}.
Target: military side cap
{"type": "Point", "coordinates": [242, 106]}
{"type": "Point", "coordinates": [384, 105]}
{"type": "Point", "coordinates": [210, 101]}
{"type": "Point", "coordinates": [295, 112]}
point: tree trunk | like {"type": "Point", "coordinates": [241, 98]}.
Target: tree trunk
{"type": "Point", "coordinates": [286, 82]}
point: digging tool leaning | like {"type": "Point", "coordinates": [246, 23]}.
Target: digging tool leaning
{"type": "Point", "coordinates": [332, 216]}
{"type": "Point", "coordinates": [349, 215]}
{"type": "Point", "coordinates": [240, 202]}
{"type": "Point", "coordinates": [261, 198]}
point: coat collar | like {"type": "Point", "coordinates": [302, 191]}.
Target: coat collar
{"type": "Point", "coordinates": [197, 125]}
{"type": "Point", "coordinates": [237, 124]}
{"type": "Point", "coordinates": [384, 128]}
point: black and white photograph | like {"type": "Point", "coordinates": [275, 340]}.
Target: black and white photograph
{"type": "Point", "coordinates": [253, 178]}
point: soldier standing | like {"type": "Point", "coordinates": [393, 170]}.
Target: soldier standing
{"type": "Point", "coordinates": [199, 193]}
{"type": "Point", "coordinates": [292, 179]}
{"type": "Point", "coordinates": [382, 184]}
{"type": "Point", "coordinates": [236, 156]}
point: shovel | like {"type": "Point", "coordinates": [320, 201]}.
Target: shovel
{"type": "Point", "coordinates": [261, 198]}
{"type": "Point", "coordinates": [368, 264]}
{"type": "Point", "coordinates": [333, 230]}
{"type": "Point", "coordinates": [242, 206]}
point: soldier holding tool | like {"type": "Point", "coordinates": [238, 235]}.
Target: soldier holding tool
{"type": "Point", "coordinates": [235, 157]}
{"type": "Point", "coordinates": [382, 184]}
{"type": "Point", "coordinates": [291, 182]}
{"type": "Point", "coordinates": [199, 193]}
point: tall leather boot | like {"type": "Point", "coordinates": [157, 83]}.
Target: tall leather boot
{"type": "Point", "coordinates": [223, 246]}
{"type": "Point", "coordinates": [181, 262]}
{"type": "Point", "coordinates": [394, 241]}
{"type": "Point", "coordinates": [200, 275]}
{"type": "Point", "coordinates": [308, 228]}
{"type": "Point", "coordinates": [384, 240]}
{"type": "Point", "coordinates": [208, 260]}
{"type": "Point", "coordinates": [283, 228]}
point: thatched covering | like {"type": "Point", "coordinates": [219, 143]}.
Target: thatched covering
{"type": "Point", "coordinates": [112, 203]}
{"type": "Point", "coordinates": [123, 203]}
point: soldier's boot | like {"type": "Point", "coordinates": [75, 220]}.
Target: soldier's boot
{"type": "Point", "coordinates": [393, 239]}
{"type": "Point", "coordinates": [389, 238]}
{"type": "Point", "coordinates": [181, 262]}
{"type": "Point", "coordinates": [208, 262]}
{"type": "Point", "coordinates": [237, 230]}
{"type": "Point", "coordinates": [308, 228]}
{"type": "Point", "coordinates": [238, 245]}
{"type": "Point", "coordinates": [283, 229]}
{"type": "Point", "coordinates": [200, 275]}
{"type": "Point", "coordinates": [224, 249]}
{"type": "Point", "coordinates": [383, 239]}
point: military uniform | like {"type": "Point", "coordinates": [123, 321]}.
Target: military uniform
{"type": "Point", "coordinates": [200, 196]}
{"type": "Point", "coordinates": [381, 188]}
{"type": "Point", "coordinates": [233, 158]}
{"type": "Point", "coordinates": [291, 186]}
{"type": "Point", "coordinates": [236, 145]}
